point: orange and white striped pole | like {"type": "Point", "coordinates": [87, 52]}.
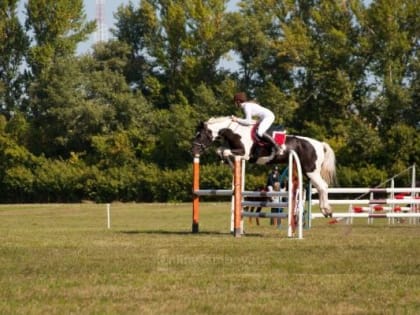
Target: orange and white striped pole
{"type": "Point", "coordinates": [237, 191]}
{"type": "Point", "coordinates": [196, 198]}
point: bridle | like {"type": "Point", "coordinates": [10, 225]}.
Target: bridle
{"type": "Point", "coordinates": [200, 145]}
{"type": "Point", "coordinates": [203, 146]}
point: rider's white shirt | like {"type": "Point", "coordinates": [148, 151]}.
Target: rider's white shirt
{"type": "Point", "coordinates": [254, 110]}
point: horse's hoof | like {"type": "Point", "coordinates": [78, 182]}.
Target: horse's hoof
{"type": "Point", "coordinates": [327, 213]}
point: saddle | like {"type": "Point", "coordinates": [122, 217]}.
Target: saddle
{"type": "Point", "coordinates": [278, 133]}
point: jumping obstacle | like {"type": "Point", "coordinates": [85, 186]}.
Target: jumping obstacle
{"type": "Point", "coordinates": [397, 206]}
{"type": "Point", "coordinates": [197, 192]}
{"type": "Point", "coordinates": [294, 194]}
{"type": "Point", "coordinates": [294, 204]}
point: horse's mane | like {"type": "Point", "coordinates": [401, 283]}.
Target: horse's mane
{"type": "Point", "coordinates": [215, 120]}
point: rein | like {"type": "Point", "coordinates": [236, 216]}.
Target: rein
{"type": "Point", "coordinates": [231, 122]}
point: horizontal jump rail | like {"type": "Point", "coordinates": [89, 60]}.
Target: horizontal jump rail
{"type": "Point", "coordinates": [369, 215]}
{"type": "Point", "coordinates": [263, 214]}
{"type": "Point", "coordinates": [398, 208]}
{"type": "Point", "coordinates": [361, 190]}
{"type": "Point", "coordinates": [266, 204]}
{"type": "Point", "coordinates": [344, 201]}
{"type": "Point", "coordinates": [213, 192]}
{"type": "Point", "coordinates": [248, 193]}
{"type": "Point", "coordinates": [369, 201]}
{"type": "Point", "coordinates": [395, 201]}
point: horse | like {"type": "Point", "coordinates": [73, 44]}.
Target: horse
{"type": "Point", "coordinates": [317, 158]}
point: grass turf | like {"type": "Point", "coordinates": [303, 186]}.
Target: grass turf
{"type": "Point", "coordinates": [61, 259]}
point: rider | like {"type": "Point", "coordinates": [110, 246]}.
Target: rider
{"type": "Point", "coordinates": [251, 109]}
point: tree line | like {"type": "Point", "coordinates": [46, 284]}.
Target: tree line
{"type": "Point", "coordinates": [116, 122]}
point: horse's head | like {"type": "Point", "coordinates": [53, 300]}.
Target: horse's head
{"type": "Point", "coordinates": [208, 132]}
{"type": "Point", "coordinates": [203, 138]}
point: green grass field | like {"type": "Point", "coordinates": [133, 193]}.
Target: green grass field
{"type": "Point", "coordinates": [62, 259]}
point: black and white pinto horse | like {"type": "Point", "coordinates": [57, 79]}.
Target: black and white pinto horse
{"type": "Point", "coordinates": [317, 158]}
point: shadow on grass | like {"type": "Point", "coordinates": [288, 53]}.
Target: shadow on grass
{"type": "Point", "coordinates": [165, 232]}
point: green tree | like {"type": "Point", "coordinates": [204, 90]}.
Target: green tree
{"type": "Point", "coordinates": [133, 115]}
{"type": "Point", "coordinates": [16, 175]}
{"type": "Point", "coordinates": [86, 98]}
{"type": "Point", "coordinates": [136, 28]}
{"type": "Point", "coordinates": [13, 48]}
{"type": "Point", "coordinates": [57, 27]}
{"type": "Point", "coordinates": [300, 59]}
{"type": "Point", "coordinates": [332, 75]}
{"type": "Point", "coordinates": [257, 32]}
{"type": "Point", "coordinates": [176, 46]}
{"type": "Point", "coordinates": [402, 147]}
{"type": "Point", "coordinates": [65, 118]}
{"type": "Point", "coordinates": [175, 136]}
{"type": "Point", "coordinates": [391, 30]}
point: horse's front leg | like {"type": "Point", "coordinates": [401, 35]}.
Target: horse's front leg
{"type": "Point", "coordinates": [323, 203]}
{"type": "Point", "coordinates": [322, 188]}
{"type": "Point", "coordinates": [224, 153]}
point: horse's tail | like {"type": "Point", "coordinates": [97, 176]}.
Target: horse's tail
{"type": "Point", "coordinates": [328, 171]}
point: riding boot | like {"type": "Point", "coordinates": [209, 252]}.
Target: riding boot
{"type": "Point", "coordinates": [270, 140]}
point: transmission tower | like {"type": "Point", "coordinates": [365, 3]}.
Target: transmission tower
{"type": "Point", "coordinates": [101, 30]}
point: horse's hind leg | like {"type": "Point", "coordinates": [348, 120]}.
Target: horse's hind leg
{"type": "Point", "coordinates": [257, 219]}
{"type": "Point", "coordinates": [322, 188]}
{"type": "Point", "coordinates": [251, 209]}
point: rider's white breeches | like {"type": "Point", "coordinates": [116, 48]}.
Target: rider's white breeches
{"type": "Point", "coordinates": [265, 123]}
